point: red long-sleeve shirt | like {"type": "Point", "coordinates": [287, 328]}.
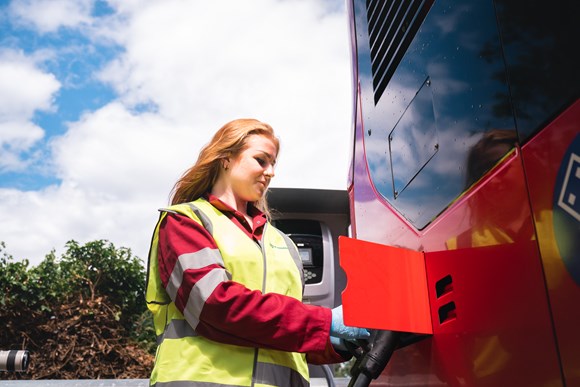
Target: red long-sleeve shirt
{"type": "Point", "coordinates": [234, 314]}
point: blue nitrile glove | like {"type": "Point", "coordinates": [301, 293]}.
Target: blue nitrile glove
{"type": "Point", "coordinates": [338, 329]}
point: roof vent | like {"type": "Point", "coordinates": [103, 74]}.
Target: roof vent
{"type": "Point", "coordinates": [392, 26]}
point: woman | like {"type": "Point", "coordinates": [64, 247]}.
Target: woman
{"type": "Point", "coordinates": [224, 285]}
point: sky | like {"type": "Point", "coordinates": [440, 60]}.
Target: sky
{"type": "Point", "coordinates": [105, 103]}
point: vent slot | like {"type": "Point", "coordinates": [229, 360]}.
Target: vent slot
{"type": "Point", "coordinates": [447, 313]}
{"type": "Point", "coordinates": [392, 25]}
{"type": "Point", "coordinates": [444, 286]}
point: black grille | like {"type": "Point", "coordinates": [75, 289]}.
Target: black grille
{"type": "Point", "coordinates": [392, 25]}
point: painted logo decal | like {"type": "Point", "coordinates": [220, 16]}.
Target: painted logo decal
{"type": "Point", "coordinates": [567, 209]}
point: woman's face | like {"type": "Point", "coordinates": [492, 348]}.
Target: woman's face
{"type": "Point", "coordinates": [249, 173]}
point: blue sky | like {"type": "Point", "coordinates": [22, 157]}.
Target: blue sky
{"type": "Point", "coordinates": [73, 59]}
{"type": "Point", "coordinates": [103, 104]}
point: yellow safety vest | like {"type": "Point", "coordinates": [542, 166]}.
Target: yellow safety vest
{"type": "Point", "coordinates": [185, 359]}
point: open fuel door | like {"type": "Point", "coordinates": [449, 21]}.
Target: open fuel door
{"type": "Point", "coordinates": [486, 292]}
{"type": "Point", "coordinates": [386, 287]}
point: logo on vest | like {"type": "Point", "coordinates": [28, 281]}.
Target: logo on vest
{"type": "Point", "coordinates": [278, 247]}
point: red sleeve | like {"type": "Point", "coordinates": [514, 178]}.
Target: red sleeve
{"type": "Point", "coordinates": [327, 356]}
{"type": "Point", "coordinates": [234, 314]}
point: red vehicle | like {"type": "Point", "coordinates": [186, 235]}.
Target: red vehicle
{"type": "Point", "coordinates": [465, 189]}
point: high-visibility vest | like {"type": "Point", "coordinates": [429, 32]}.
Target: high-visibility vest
{"type": "Point", "coordinates": [186, 359]}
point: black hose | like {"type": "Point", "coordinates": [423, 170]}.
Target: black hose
{"type": "Point", "coordinates": [377, 358]}
{"type": "Point", "coordinates": [328, 375]}
{"type": "Point", "coordinates": [361, 380]}
{"type": "Point", "coordinates": [374, 361]}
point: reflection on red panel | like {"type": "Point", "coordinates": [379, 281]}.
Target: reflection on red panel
{"type": "Point", "coordinates": [499, 330]}
{"type": "Point", "coordinates": [547, 159]}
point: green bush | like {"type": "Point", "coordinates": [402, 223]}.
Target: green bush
{"type": "Point", "coordinates": [96, 269]}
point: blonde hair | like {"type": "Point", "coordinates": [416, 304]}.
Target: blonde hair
{"type": "Point", "coordinates": [227, 142]}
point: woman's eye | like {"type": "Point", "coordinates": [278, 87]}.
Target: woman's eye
{"type": "Point", "coordinates": [261, 161]}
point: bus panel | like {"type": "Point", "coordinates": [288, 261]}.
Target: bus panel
{"type": "Point", "coordinates": [466, 147]}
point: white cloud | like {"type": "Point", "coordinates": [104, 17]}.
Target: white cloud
{"type": "Point", "coordinates": [17, 137]}
{"type": "Point", "coordinates": [200, 64]}
{"type": "Point", "coordinates": [225, 58]}
{"type": "Point", "coordinates": [121, 155]}
{"type": "Point", "coordinates": [204, 63]}
{"type": "Point", "coordinates": [50, 15]}
{"type": "Point", "coordinates": [56, 214]}
{"type": "Point", "coordinates": [24, 89]}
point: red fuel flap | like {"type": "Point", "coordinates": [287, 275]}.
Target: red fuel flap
{"type": "Point", "coordinates": [386, 287]}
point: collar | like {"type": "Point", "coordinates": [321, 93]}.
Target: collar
{"type": "Point", "coordinates": [253, 212]}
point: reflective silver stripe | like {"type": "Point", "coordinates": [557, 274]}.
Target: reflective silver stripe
{"type": "Point", "coordinates": [264, 260]}
{"type": "Point", "coordinates": [295, 256]}
{"type": "Point", "coordinates": [205, 220]}
{"type": "Point", "coordinates": [183, 383]}
{"type": "Point", "coordinates": [176, 329]}
{"type": "Point", "coordinates": [201, 292]}
{"type": "Point", "coordinates": [277, 375]}
{"type": "Point", "coordinates": [202, 258]}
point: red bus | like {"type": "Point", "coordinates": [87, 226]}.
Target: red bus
{"type": "Point", "coordinates": [466, 159]}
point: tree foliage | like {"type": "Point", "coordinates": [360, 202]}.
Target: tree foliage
{"type": "Point", "coordinates": [77, 314]}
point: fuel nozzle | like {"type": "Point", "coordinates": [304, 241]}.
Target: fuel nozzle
{"type": "Point", "coordinates": [371, 363]}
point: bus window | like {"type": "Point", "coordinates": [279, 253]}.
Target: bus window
{"type": "Point", "coordinates": [538, 45]}
{"type": "Point", "coordinates": [432, 102]}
